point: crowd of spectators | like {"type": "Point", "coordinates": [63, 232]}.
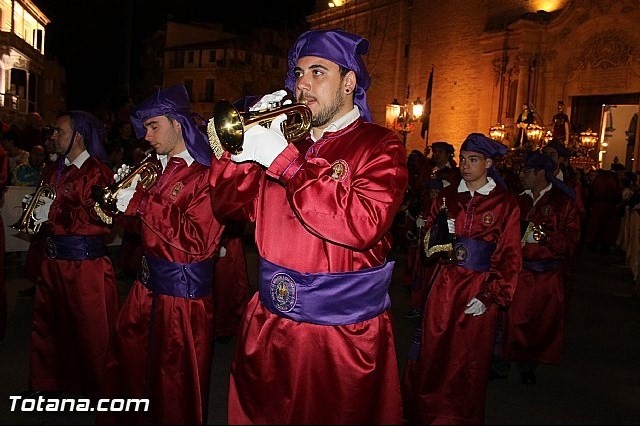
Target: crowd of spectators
{"type": "Point", "coordinates": [27, 143]}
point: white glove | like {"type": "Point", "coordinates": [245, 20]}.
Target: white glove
{"type": "Point", "coordinates": [451, 223]}
{"type": "Point", "coordinates": [223, 252]}
{"type": "Point", "coordinates": [263, 145]}
{"type": "Point", "coordinates": [475, 308]}
{"type": "Point", "coordinates": [126, 194]}
{"type": "Point", "coordinates": [26, 200]}
{"type": "Point", "coordinates": [270, 101]}
{"type": "Point", "coordinates": [122, 171]}
{"type": "Point", "coordinates": [41, 213]}
{"type": "Point", "coordinates": [420, 222]}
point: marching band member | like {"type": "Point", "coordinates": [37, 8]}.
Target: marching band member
{"type": "Point", "coordinates": [76, 300]}
{"type": "Point", "coordinates": [163, 342]}
{"type": "Point", "coordinates": [446, 376]}
{"type": "Point", "coordinates": [317, 345]}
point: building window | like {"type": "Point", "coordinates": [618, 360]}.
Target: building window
{"type": "Point", "coordinates": [188, 84]}
{"type": "Point", "coordinates": [209, 89]}
{"type": "Point", "coordinates": [212, 56]}
{"type": "Point", "coordinates": [190, 57]}
{"type": "Point", "coordinates": [179, 59]}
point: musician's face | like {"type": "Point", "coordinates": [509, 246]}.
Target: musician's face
{"type": "Point", "coordinates": [164, 135]}
{"type": "Point", "coordinates": [440, 156]}
{"type": "Point", "coordinates": [62, 133]}
{"type": "Point", "coordinates": [553, 154]}
{"type": "Point", "coordinates": [320, 85]}
{"type": "Point", "coordinates": [528, 177]}
{"type": "Point", "coordinates": [473, 167]}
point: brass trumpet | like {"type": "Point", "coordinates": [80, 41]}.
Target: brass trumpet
{"type": "Point", "coordinates": [226, 128]}
{"type": "Point", "coordinates": [537, 232]}
{"type": "Point", "coordinates": [106, 197]}
{"type": "Point", "coordinates": [27, 222]}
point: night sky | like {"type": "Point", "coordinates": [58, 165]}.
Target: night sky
{"type": "Point", "coordinates": [85, 36]}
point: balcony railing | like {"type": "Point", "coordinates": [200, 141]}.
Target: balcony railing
{"type": "Point", "coordinates": [13, 102]}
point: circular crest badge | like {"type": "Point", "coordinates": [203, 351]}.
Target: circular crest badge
{"type": "Point", "coordinates": [488, 218]}
{"type": "Point", "coordinates": [52, 251]}
{"type": "Point", "coordinates": [176, 190]}
{"type": "Point", "coordinates": [283, 292]}
{"type": "Point", "coordinates": [340, 170]}
{"type": "Point", "coordinates": [462, 253]}
{"type": "Point", "coordinates": [546, 210]}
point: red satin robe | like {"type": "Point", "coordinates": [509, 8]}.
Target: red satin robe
{"type": "Point", "coordinates": [321, 207]}
{"type": "Point", "coordinates": [76, 302]}
{"type": "Point", "coordinates": [534, 323]}
{"type": "Point", "coordinates": [447, 382]}
{"type": "Point", "coordinates": [168, 340]}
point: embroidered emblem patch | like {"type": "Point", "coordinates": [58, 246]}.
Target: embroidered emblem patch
{"type": "Point", "coordinates": [176, 190]}
{"type": "Point", "coordinates": [283, 292]}
{"type": "Point", "coordinates": [67, 188]}
{"type": "Point", "coordinates": [52, 251]}
{"type": "Point", "coordinates": [487, 219]}
{"type": "Point", "coordinates": [461, 253]}
{"type": "Point", "coordinates": [144, 270]}
{"type": "Point", "coordinates": [546, 210]}
{"type": "Point", "coordinates": [340, 170]}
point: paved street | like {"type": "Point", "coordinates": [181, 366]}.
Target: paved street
{"type": "Point", "coordinates": [598, 381]}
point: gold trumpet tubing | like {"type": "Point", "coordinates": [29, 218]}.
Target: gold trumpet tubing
{"type": "Point", "coordinates": [27, 222]}
{"type": "Point", "coordinates": [225, 130]}
{"type": "Point", "coordinates": [106, 197]}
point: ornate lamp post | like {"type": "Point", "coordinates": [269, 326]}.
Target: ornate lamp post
{"type": "Point", "coordinates": [497, 132]}
{"type": "Point", "coordinates": [535, 133]}
{"type": "Point", "coordinates": [588, 139]}
{"type": "Point", "coordinates": [402, 118]}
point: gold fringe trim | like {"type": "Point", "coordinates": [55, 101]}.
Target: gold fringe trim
{"type": "Point", "coordinates": [430, 251]}
{"type": "Point", "coordinates": [214, 141]}
{"type": "Point", "coordinates": [102, 215]}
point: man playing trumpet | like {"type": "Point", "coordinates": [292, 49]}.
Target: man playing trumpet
{"type": "Point", "coordinates": [163, 342]}
{"type": "Point", "coordinates": [76, 302]}
{"type": "Point", "coordinates": [317, 345]}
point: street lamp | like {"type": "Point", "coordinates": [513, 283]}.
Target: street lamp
{"type": "Point", "coordinates": [588, 139]}
{"type": "Point", "coordinates": [402, 118]}
{"type": "Point", "coordinates": [497, 132]}
{"type": "Point", "coordinates": [535, 133]}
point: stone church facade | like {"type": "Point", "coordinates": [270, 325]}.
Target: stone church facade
{"type": "Point", "coordinates": [490, 57]}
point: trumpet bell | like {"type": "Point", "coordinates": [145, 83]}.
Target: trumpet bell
{"type": "Point", "coordinates": [229, 127]}
{"type": "Point", "coordinates": [106, 197]}
{"type": "Point", "coordinates": [226, 128]}
{"type": "Point", "coordinates": [27, 224]}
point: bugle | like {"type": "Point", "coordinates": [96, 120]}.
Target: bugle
{"type": "Point", "coordinates": [226, 128]}
{"type": "Point", "coordinates": [27, 223]}
{"type": "Point", "coordinates": [106, 197]}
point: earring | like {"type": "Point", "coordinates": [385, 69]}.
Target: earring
{"type": "Point", "coordinates": [347, 90]}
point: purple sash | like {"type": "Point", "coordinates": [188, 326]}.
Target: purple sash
{"type": "Point", "coordinates": [75, 247]}
{"type": "Point", "coordinates": [474, 254]}
{"type": "Point", "coordinates": [186, 280]}
{"type": "Point", "coordinates": [335, 298]}
{"type": "Point", "coordinates": [540, 265]}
